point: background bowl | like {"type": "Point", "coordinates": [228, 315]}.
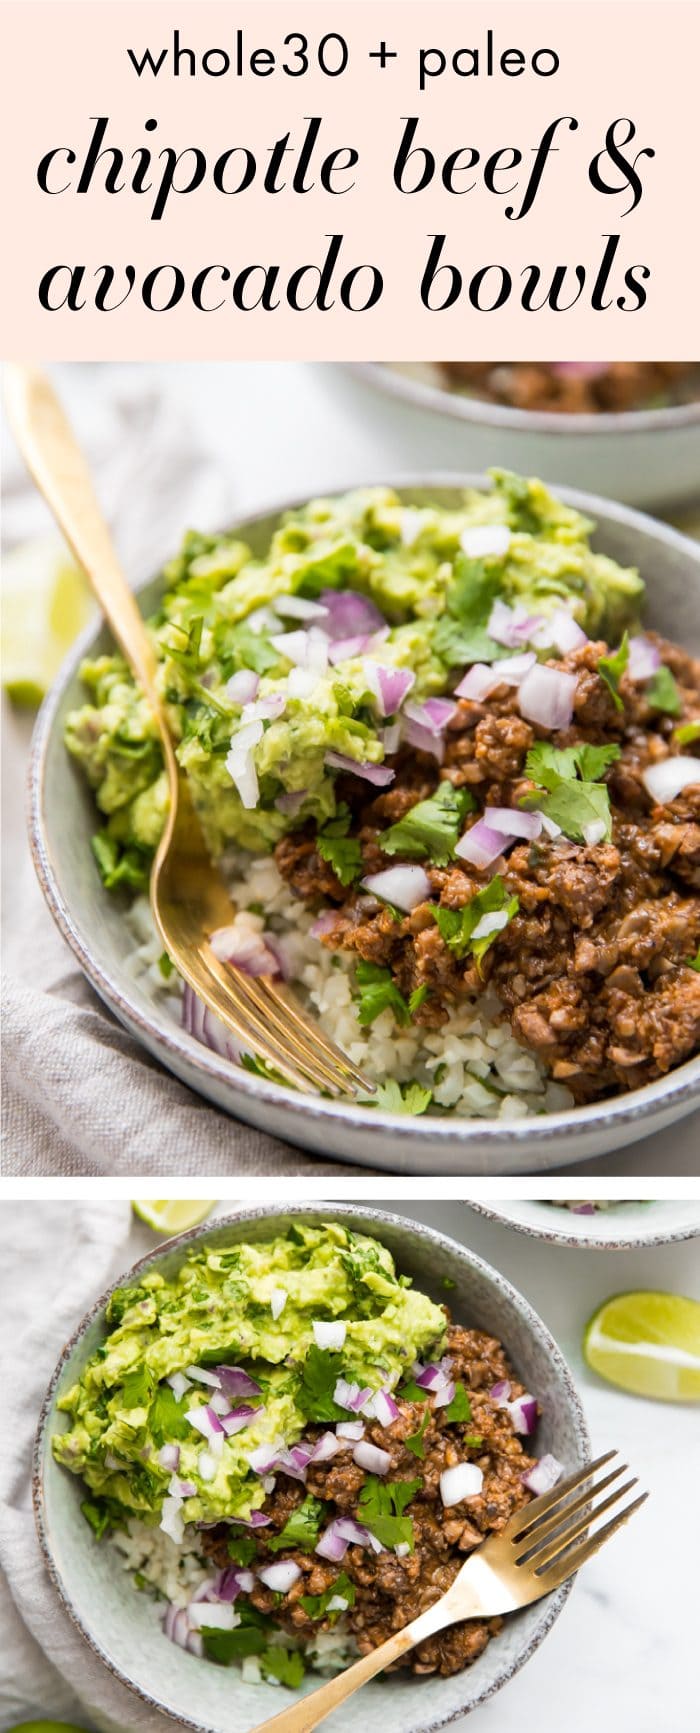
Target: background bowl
{"type": "Point", "coordinates": [122, 1626]}
{"type": "Point", "coordinates": [62, 819]}
{"type": "Point", "coordinates": [646, 457]}
{"type": "Point", "coordinates": [627, 1225]}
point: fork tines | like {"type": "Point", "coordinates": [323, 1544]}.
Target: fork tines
{"type": "Point", "coordinates": [544, 1534]}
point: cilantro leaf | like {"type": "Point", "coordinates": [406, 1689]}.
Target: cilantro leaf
{"type": "Point", "coordinates": [119, 866]}
{"type": "Point", "coordinates": [687, 733]}
{"type": "Point", "coordinates": [242, 1548]}
{"type": "Point", "coordinates": [319, 1376]}
{"type": "Point", "coordinates": [393, 1097]}
{"type": "Point", "coordinates": [574, 806]}
{"type": "Point", "coordinates": [316, 1606]}
{"type": "Point", "coordinates": [343, 852]}
{"type": "Point", "coordinates": [97, 1516]}
{"type": "Point", "coordinates": [227, 1646]}
{"type": "Point", "coordinates": [412, 1391]}
{"type": "Point", "coordinates": [165, 965]}
{"type": "Point", "coordinates": [138, 1388]}
{"type": "Point", "coordinates": [378, 992]}
{"type": "Point", "coordinates": [460, 1407]}
{"type": "Point", "coordinates": [611, 669]}
{"type": "Point", "coordinates": [548, 765]}
{"type": "Point", "coordinates": [432, 828]}
{"type": "Point", "coordinates": [239, 647]}
{"type": "Point", "coordinates": [286, 1665]}
{"type": "Point", "coordinates": [416, 1442]}
{"type": "Point", "coordinates": [381, 1507]}
{"type": "Point", "coordinates": [418, 998]}
{"type": "Point", "coordinates": [572, 803]}
{"type": "Point", "coordinates": [694, 962]}
{"type": "Point", "coordinates": [663, 694]}
{"type": "Point", "coordinates": [301, 1528]}
{"type": "Point", "coordinates": [460, 635]}
{"type": "Point", "coordinates": [167, 1417]}
{"type": "Point", "coordinates": [457, 926]}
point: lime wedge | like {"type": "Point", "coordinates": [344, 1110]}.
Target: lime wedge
{"type": "Point", "coordinates": [174, 1217]}
{"type": "Point", "coordinates": [45, 603]}
{"type": "Point", "coordinates": [649, 1344]}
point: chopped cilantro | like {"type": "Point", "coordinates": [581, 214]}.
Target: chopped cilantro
{"type": "Point", "coordinates": [413, 1392]}
{"type": "Point", "coordinates": [460, 635]}
{"type": "Point", "coordinates": [378, 992]}
{"type": "Point", "coordinates": [687, 733]}
{"type": "Point", "coordinates": [663, 694]}
{"type": "Point", "coordinates": [166, 965]}
{"type": "Point", "coordinates": [227, 1646]}
{"type": "Point", "coordinates": [98, 1517]}
{"type": "Point", "coordinates": [381, 1507]}
{"type": "Point", "coordinates": [316, 1606]}
{"type": "Point", "coordinates": [286, 1665]}
{"type": "Point", "coordinates": [393, 1097]}
{"type": "Point", "coordinates": [260, 1068]}
{"type": "Point", "coordinates": [694, 962]}
{"type": "Point", "coordinates": [458, 925]}
{"type": "Point", "coordinates": [460, 1407]}
{"type": "Point", "coordinates": [473, 1439]}
{"type": "Point", "coordinates": [416, 1442]}
{"type": "Point", "coordinates": [241, 648]}
{"type": "Point", "coordinates": [167, 1417]}
{"type": "Point", "coordinates": [319, 1376]}
{"type": "Point", "coordinates": [119, 866]}
{"type": "Point", "coordinates": [572, 801]}
{"type": "Point", "coordinates": [301, 1528]}
{"type": "Point", "coordinates": [432, 828]}
{"type": "Point", "coordinates": [138, 1388]}
{"type": "Point", "coordinates": [418, 998]}
{"type": "Point", "coordinates": [343, 852]}
{"type": "Point", "coordinates": [611, 669]}
{"type": "Point", "coordinates": [241, 1548]}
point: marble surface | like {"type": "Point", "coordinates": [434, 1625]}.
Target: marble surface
{"type": "Point", "coordinates": [621, 1657]}
{"type": "Point", "coordinates": [278, 431]}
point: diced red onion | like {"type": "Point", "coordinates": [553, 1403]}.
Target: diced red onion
{"type": "Point", "coordinates": [481, 845]}
{"type": "Point", "coordinates": [348, 614]}
{"type": "Point", "coordinates": [478, 684]}
{"type": "Point", "coordinates": [257, 1519]}
{"type": "Point", "coordinates": [546, 696]}
{"type": "Point", "coordinates": [220, 1403]}
{"type": "Point", "coordinates": [358, 1534]}
{"type": "Point", "coordinates": [463, 1481]}
{"type": "Point", "coordinates": [299, 608]}
{"type": "Point", "coordinates": [490, 923]}
{"type": "Point", "coordinates": [500, 1393]}
{"type": "Point", "coordinates": [301, 682]}
{"type": "Point", "coordinates": [513, 822]}
{"type": "Point", "coordinates": [242, 687]}
{"type": "Point", "coordinates": [114, 1465]}
{"type": "Point", "coordinates": [201, 1375]}
{"type": "Point", "coordinates": [386, 1410]}
{"type": "Point", "coordinates": [238, 1418]}
{"type": "Point", "coordinates": [544, 1475]}
{"type": "Point", "coordinates": [206, 1027]}
{"type": "Point", "coordinates": [233, 1582]}
{"type": "Point", "coordinates": [667, 779]}
{"type": "Point", "coordinates": [523, 1413]}
{"type": "Point", "coordinates": [350, 1429]}
{"type": "Point", "coordinates": [169, 1457]}
{"type": "Point", "coordinates": [240, 763]}
{"type": "Point", "coordinates": [511, 626]}
{"type": "Point", "coordinates": [346, 649]}
{"type": "Point", "coordinates": [290, 803]}
{"type": "Point", "coordinates": [341, 1534]}
{"type": "Point", "coordinates": [431, 1377]}
{"type": "Point", "coordinates": [280, 1577]}
{"type": "Point", "coordinates": [579, 369]}
{"type": "Point", "coordinates": [171, 1520]}
{"type": "Point", "coordinates": [379, 774]}
{"type": "Point", "coordinates": [329, 1335]}
{"type": "Point", "coordinates": [323, 924]}
{"type": "Point", "coordinates": [206, 1465]}
{"type": "Point", "coordinates": [434, 714]}
{"type": "Point", "coordinates": [236, 1383]}
{"type": "Point", "coordinates": [208, 1423]}
{"type": "Point", "coordinates": [424, 739]}
{"type": "Point", "coordinates": [403, 1549]}
{"type": "Point", "coordinates": [264, 1459]}
{"type": "Point", "coordinates": [179, 1383]}
{"type": "Point", "coordinates": [351, 1396]}
{"type": "Point", "coordinates": [391, 738]}
{"type": "Point", "coordinates": [389, 685]}
{"type": "Point", "coordinates": [444, 1394]}
{"type": "Point", "coordinates": [478, 541]}
{"type": "Point", "coordinates": [404, 886]}
{"type": "Point", "coordinates": [248, 951]}
{"type": "Point", "coordinates": [182, 1488]}
{"type": "Point", "coordinates": [305, 649]}
{"type": "Point", "coordinates": [176, 1625]}
{"type": "Point", "coordinates": [594, 832]}
{"type": "Point", "coordinates": [584, 1209]}
{"type": "Point", "coordinates": [644, 659]}
{"type": "Point", "coordinates": [325, 1447]}
{"type": "Point", "coordinates": [266, 709]}
{"type": "Point", "coordinates": [216, 1617]}
{"type": "Point", "coordinates": [549, 827]}
{"type": "Point", "coordinates": [561, 630]}
{"type": "Point", "coordinates": [278, 1301]}
{"type": "Point", "coordinates": [371, 1458]}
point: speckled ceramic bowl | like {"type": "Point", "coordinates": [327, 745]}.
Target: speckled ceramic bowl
{"type": "Point", "coordinates": [62, 820]}
{"type": "Point", "coordinates": [122, 1627]}
{"type": "Point", "coordinates": [626, 1225]}
{"type": "Point", "coordinates": [647, 457]}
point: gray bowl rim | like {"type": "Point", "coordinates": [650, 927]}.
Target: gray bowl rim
{"type": "Point", "coordinates": [554, 1603]}
{"type": "Point", "coordinates": [382, 376]}
{"type": "Point", "coordinates": [680, 1086]}
{"type": "Point", "coordinates": [557, 1236]}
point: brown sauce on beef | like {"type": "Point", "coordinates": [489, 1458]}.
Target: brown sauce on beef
{"type": "Point", "coordinates": [536, 385]}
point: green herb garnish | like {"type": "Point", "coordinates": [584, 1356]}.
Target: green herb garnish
{"type": "Point", "coordinates": [343, 852]}
{"type": "Point", "coordinates": [393, 1097]}
{"type": "Point", "coordinates": [316, 1606]}
{"type": "Point", "coordinates": [302, 1527]}
{"type": "Point", "coordinates": [381, 1507]}
{"type": "Point", "coordinates": [460, 1407]}
{"type": "Point", "coordinates": [457, 926]}
{"type": "Point", "coordinates": [319, 1376]}
{"type": "Point", "coordinates": [416, 1443]}
{"type": "Point", "coordinates": [611, 669]}
{"type": "Point", "coordinates": [688, 732]}
{"type": "Point", "coordinates": [573, 801]}
{"type": "Point", "coordinates": [663, 694]}
{"type": "Point", "coordinates": [432, 828]}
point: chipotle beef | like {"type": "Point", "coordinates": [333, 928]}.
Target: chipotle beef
{"type": "Point", "coordinates": [592, 971]}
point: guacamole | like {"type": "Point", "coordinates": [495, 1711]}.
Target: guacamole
{"type": "Point", "coordinates": [234, 1331]}
{"type": "Point", "coordinates": [277, 670]}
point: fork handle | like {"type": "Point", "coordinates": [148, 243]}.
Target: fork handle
{"type": "Point", "coordinates": [306, 1713]}
{"type": "Point", "coordinates": [54, 458]}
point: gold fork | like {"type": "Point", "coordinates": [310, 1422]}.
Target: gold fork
{"type": "Point", "coordinates": [534, 1553]}
{"type": "Point", "coordinates": [188, 898]}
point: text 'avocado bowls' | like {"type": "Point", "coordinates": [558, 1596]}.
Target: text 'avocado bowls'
{"type": "Point", "coordinates": [451, 782]}
{"type": "Point", "coordinates": [252, 1590]}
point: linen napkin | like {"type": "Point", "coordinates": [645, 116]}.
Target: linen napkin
{"type": "Point", "coordinates": [54, 1261]}
{"type": "Point", "coordinates": [81, 1096]}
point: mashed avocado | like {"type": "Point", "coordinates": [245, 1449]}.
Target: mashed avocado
{"type": "Point", "coordinates": [218, 1310]}
{"type": "Point", "coordinates": [419, 591]}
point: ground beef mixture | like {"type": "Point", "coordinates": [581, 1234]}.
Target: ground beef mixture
{"type": "Point", "coordinates": [574, 389]}
{"type": "Point", "coordinates": [592, 972]}
{"type": "Point", "coordinates": [391, 1591]}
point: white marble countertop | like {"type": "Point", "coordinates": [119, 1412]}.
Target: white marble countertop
{"type": "Point", "coordinates": [282, 431]}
